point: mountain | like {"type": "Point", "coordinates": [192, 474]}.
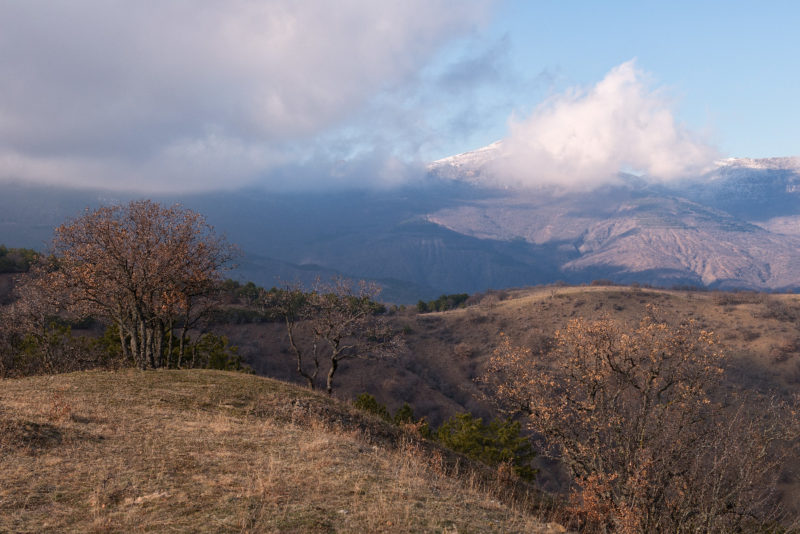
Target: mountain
{"type": "Point", "coordinates": [459, 229]}
{"type": "Point", "coordinates": [737, 226]}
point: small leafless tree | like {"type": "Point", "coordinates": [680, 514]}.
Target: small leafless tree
{"type": "Point", "coordinates": [292, 305]}
{"type": "Point", "coordinates": [338, 320]}
{"type": "Point", "coordinates": [635, 419]}
{"type": "Point", "coordinates": [345, 317]}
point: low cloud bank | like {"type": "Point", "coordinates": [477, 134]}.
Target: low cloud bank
{"type": "Point", "coordinates": [586, 137]}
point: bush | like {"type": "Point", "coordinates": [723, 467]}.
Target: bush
{"type": "Point", "coordinates": [53, 348]}
{"type": "Point", "coordinates": [404, 414]}
{"type": "Point", "coordinates": [497, 443]}
{"type": "Point", "coordinates": [443, 303]}
{"type": "Point", "coordinates": [696, 464]}
{"type": "Point", "coordinates": [214, 352]}
{"type": "Point", "coordinates": [368, 403]}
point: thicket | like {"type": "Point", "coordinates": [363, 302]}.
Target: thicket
{"type": "Point", "coordinates": [16, 260]}
{"type": "Point", "coordinates": [151, 274]}
{"type": "Point", "coordinates": [641, 422]}
{"type": "Point", "coordinates": [153, 271]}
{"type": "Point", "coordinates": [496, 444]}
{"type": "Point", "coordinates": [443, 303]}
{"type": "Point", "coordinates": [55, 347]}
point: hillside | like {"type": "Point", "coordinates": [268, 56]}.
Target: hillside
{"type": "Point", "coordinates": [447, 350]}
{"type": "Point", "coordinates": [204, 451]}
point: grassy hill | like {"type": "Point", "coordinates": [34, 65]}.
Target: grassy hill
{"type": "Point", "coordinates": [208, 451]}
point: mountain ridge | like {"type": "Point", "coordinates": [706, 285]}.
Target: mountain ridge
{"type": "Point", "coordinates": [737, 227]}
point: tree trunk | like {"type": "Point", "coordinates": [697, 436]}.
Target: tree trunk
{"type": "Point", "coordinates": [182, 342]}
{"type": "Point", "coordinates": [135, 349]}
{"type": "Point", "coordinates": [299, 355]}
{"type": "Point", "coordinates": [331, 372]}
{"type": "Point", "coordinates": [126, 349]}
{"type": "Point", "coordinates": [148, 345]}
{"type": "Point", "coordinates": [158, 343]}
{"type": "Point", "coordinates": [170, 341]}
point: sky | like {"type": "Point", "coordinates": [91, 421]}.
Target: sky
{"type": "Point", "coordinates": [180, 95]}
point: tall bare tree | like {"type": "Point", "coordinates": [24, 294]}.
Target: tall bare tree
{"type": "Point", "coordinates": [143, 266]}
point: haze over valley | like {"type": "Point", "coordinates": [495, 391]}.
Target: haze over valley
{"type": "Point", "coordinates": [455, 231]}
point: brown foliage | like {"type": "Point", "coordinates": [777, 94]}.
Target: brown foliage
{"type": "Point", "coordinates": [633, 418]}
{"type": "Point", "coordinates": [142, 266]}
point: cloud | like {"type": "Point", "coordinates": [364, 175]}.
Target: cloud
{"type": "Point", "coordinates": [198, 94]}
{"type": "Point", "coordinates": [585, 137]}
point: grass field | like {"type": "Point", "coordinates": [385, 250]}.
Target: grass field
{"type": "Point", "coordinates": [207, 451]}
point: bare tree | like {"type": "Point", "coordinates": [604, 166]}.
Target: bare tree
{"type": "Point", "coordinates": [292, 305]}
{"type": "Point", "coordinates": [633, 419]}
{"type": "Point", "coordinates": [345, 317]}
{"type": "Point", "coordinates": [338, 320]}
{"type": "Point", "coordinates": [142, 266]}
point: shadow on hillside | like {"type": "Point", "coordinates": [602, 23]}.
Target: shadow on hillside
{"type": "Point", "coordinates": [35, 437]}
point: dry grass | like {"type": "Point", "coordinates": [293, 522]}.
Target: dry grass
{"type": "Point", "coordinates": [205, 451]}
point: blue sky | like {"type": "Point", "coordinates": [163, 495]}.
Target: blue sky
{"type": "Point", "coordinates": [732, 66]}
{"type": "Point", "coordinates": [200, 95]}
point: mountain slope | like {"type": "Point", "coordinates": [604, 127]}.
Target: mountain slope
{"type": "Point", "coordinates": [738, 226]}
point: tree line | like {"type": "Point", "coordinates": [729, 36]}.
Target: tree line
{"type": "Point", "coordinates": [16, 260]}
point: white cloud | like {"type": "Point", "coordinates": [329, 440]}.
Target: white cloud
{"type": "Point", "coordinates": [197, 94]}
{"type": "Point", "coordinates": [585, 137]}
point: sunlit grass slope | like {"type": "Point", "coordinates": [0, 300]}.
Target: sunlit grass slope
{"type": "Point", "coordinates": [206, 451]}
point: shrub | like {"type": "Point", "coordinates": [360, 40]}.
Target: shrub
{"type": "Point", "coordinates": [497, 443]}
{"type": "Point", "coordinates": [16, 260]}
{"type": "Point", "coordinates": [443, 303]}
{"type": "Point", "coordinates": [212, 351]}
{"type": "Point", "coordinates": [404, 414]}
{"type": "Point", "coordinates": [368, 403]}
{"type": "Point", "coordinates": [632, 416]}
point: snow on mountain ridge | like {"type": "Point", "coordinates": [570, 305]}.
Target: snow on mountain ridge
{"type": "Point", "coordinates": [778, 163]}
{"type": "Point", "coordinates": [473, 165]}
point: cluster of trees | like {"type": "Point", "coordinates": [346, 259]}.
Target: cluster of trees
{"type": "Point", "coordinates": [642, 424]}
{"type": "Point", "coordinates": [499, 442]}
{"type": "Point", "coordinates": [149, 272]}
{"type": "Point", "coordinates": [443, 303]}
{"type": "Point", "coordinates": [153, 275]}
